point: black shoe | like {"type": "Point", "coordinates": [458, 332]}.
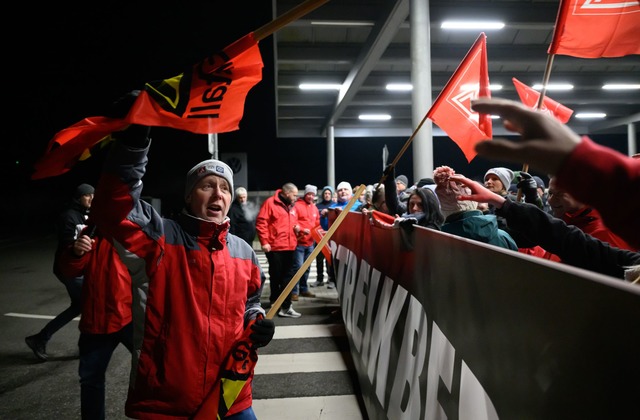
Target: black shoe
{"type": "Point", "coordinates": [38, 346]}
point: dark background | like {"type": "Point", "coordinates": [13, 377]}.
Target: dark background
{"type": "Point", "coordinates": [65, 63]}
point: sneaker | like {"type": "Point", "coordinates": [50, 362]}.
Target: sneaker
{"type": "Point", "coordinates": [331, 285]}
{"type": "Point", "coordinates": [307, 294]}
{"type": "Point", "coordinates": [38, 346]}
{"type": "Point", "coordinates": [294, 297]}
{"type": "Point", "coordinates": [289, 313]}
{"type": "Point", "coordinates": [316, 284]}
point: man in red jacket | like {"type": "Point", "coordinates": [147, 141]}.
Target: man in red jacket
{"type": "Point", "coordinates": [308, 219]}
{"type": "Point", "coordinates": [277, 227]}
{"type": "Point", "coordinates": [106, 313]}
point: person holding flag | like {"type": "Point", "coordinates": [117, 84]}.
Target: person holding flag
{"type": "Point", "coordinates": [196, 287]}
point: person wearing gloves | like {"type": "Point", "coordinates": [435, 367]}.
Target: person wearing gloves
{"type": "Point", "coordinates": [326, 199]}
{"type": "Point", "coordinates": [196, 287]}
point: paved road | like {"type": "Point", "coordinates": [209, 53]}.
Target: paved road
{"type": "Point", "coordinates": [305, 373]}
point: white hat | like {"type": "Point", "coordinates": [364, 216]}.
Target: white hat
{"type": "Point", "coordinates": [504, 174]}
{"type": "Point", "coordinates": [310, 189]}
{"type": "Point", "coordinates": [205, 168]}
{"type": "Point", "coordinates": [344, 184]}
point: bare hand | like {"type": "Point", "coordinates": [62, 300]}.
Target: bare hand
{"type": "Point", "coordinates": [478, 192]}
{"type": "Point", "coordinates": [545, 144]}
{"type": "Point", "coordinates": [82, 245]}
{"type": "Point", "coordinates": [266, 248]}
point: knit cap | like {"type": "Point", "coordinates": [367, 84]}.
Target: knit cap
{"type": "Point", "coordinates": [344, 184]}
{"type": "Point", "coordinates": [504, 174]}
{"type": "Point", "coordinates": [83, 189]}
{"type": "Point", "coordinates": [403, 180]}
{"type": "Point", "coordinates": [310, 189]}
{"type": "Point", "coordinates": [327, 187]}
{"type": "Point", "coordinates": [205, 168]}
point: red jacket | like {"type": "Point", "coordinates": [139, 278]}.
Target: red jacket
{"type": "Point", "coordinates": [275, 223]}
{"type": "Point", "coordinates": [308, 218]}
{"type": "Point", "coordinates": [106, 289]}
{"type": "Point", "coordinates": [195, 288]}
{"type": "Point", "coordinates": [608, 181]}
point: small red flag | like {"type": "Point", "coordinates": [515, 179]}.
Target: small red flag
{"type": "Point", "coordinates": [317, 233]}
{"type": "Point", "coordinates": [597, 28]}
{"type": "Point", "coordinates": [207, 99]}
{"type": "Point", "coordinates": [530, 98]}
{"type": "Point", "coordinates": [452, 108]}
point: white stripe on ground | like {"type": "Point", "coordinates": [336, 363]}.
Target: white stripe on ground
{"type": "Point", "coordinates": [334, 407]}
{"type": "Point", "coordinates": [34, 316]}
{"type": "Point", "coordinates": [330, 361]}
{"type": "Point", "coordinates": [309, 331]}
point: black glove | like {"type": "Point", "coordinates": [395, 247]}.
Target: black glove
{"type": "Point", "coordinates": [390, 172]}
{"type": "Point", "coordinates": [528, 186]}
{"type": "Point", "coordinates": [121, 106]}
{"type": "Point", "coordinates": [263, 330]}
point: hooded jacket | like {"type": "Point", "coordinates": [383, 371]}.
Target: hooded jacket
{"type": "Point", "coordinates": [275, 223]}
{"type": "Point", "coordinates": [473, 224]}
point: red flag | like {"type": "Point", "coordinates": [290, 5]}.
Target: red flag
{"type": "Point", "coordinates": [597, 28]}
{"type": "Point", "coordinates": [208, 99]}
{"type": "Point", "coordinates": [530, 98]}
{"type": "Point", "coordinates": [452, 109]}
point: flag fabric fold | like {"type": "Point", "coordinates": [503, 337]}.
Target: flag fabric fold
{"type": "Point", "coordinates": [317, 233]}
{"type": "Point", "coordinates": [597, 28]}
{"type": "Point", "coordinates": [451, 110]}
{"type": "Point", "coordinates": [207, 99]}
{"type": "Point", "coordinates": [530, 98]}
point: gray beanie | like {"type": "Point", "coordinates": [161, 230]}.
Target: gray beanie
{"type": "Point", "coordinates": [504, 174]}
{"type": "Point", "coordinates": [83, 189]}
{"type": "Point", "coordinates": [403, 179]}
{"type": "Point", "coordinates": [205, 168]}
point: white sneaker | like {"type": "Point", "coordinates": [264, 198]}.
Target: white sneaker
{"type": "Point", "coordinates": [290, 313]}
{"type": "Point", "coordinates": [331, 285]}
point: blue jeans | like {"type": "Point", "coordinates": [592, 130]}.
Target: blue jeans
{"type": "Point", "coordinates": [74, 289]}
{"type": "Point", "coordinates": [300, 256]}
{"type": "Point", "coordinates": [95, 353]}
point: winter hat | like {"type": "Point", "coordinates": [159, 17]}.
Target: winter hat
{"type": "Point", "coordinates": [83, 189]}
{"type": "Point", "coordinates": [310, 189]}
{"type": "Point", "coordinates": [504, 174]}
{"type": "Point", "coordinates": [344, 184]}
{"type": "Point", "coordinates": [539, 182]}
{"type": "Point", "coordinates": [208, 167]}
{"type": "Point", "coordinates": [403, 180]}
{"type": "Point", "coordinates": [327, 187]}
{"type": "Point", "coordinates": [425, 181]}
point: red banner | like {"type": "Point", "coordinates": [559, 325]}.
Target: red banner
{"type": "Point", "coordinates": [317, 233]}
{"type": "Point", "coordinates": [452, 108]}
{"type": "Point", "coordinates": [207, 99]}
{"type": "Point", "coordinates": [597, 28]}
{"type": "Point", "coordinates": [530, 98]}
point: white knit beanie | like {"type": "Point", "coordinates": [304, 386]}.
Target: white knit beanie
{"type": "Point", "coordinates": [504, 174]}
{"type": "Point", "coordinates": [205, 168]}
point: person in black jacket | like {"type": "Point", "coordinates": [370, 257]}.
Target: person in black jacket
{"type": "Point", "coordinates": [70, 223]}
{"type": "Point", "coordinates": [572, 245]}
{"type": "Point", "coordinates": [243, 216]}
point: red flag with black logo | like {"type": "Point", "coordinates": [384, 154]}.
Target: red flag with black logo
{"type": "Point", "coordinates": [530, 98]}
{"type": "Point", "coordinates": [452, 108]}
{"type": "Point", "coordinates": [208, 98]}
{"type": "Point", "coordinates": [597, 28]}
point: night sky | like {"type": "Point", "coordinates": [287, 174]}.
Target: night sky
{"type": "Point", "coordinates": [66, 63]}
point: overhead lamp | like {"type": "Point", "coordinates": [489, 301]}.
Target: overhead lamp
{"type": "Point", "coordinates": [621, 86]}
{"type": "Point", "coordinates": [374, 117]}
{"type": "Point", "coordinates": [399, 87]}
{"type": "Point", "coordinates": [554, 86]}
{"type": "Point", "coordinates": [590, 115]}
{"type": "Point", "coordinates": [341, 23]}
{"type": "Point", "coordinates": [495, 117]}
{"type": "Point", "coordinates": [495, 87]}
{"type": "Point", "coordinates": [320, 86]}
{"type": "Point", "coordinates": [471, 24]}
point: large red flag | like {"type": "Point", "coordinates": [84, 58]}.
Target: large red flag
{"type": "Point", "coordinates": [209, 98]}
{"type": "Point", "coordinates": [530, 98]}
{"type": "Point", "coordinates": [452, 108]}
{"type": "Point", "coordinates": [597, 28]}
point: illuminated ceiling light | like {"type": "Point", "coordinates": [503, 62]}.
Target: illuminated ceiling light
{"type": "Point", "coordinates": [399, 87]}
{"type": "Point", "coordinates": [495, 87]}
{"type": "Point", "coordinates": [620, 86]}
{"type": "Point", "coordinates": [341, 23]}
{"type": "Point", "coordinates": [374, 117]}
{"type": "Point", "coordinates": [468, 25]}
{"type": "Point", "coordinates": [554, 86]}
{"type": "Point", "coordinates": [590, 115]}
{"type": "Point", "coordinates": [495, 117]}
{"type": "Point", "coordinates": [320, 86]}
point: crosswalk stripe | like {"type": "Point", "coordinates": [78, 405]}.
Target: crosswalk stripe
{"type": "Point", "coordinates": [309, 331]}
{"type": "Point", "coordinates": [343, 407]}
{"type": "Point", "coordinates": [327, 361]}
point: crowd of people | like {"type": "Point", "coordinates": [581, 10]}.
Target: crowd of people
{"type": "Point", "coordinates": [174, 281]}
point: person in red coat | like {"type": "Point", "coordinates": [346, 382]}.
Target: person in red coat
{"type": "Point", "coordinates": [308, 219]}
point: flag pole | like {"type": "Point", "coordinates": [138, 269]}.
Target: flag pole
{"type": "Point", "coordinates": [543, 92]}
{"type": "Point", "coordinates": [288, 17]}
{"type": "Point", "coordinates": [316, 250]}
{"type": "Point", "coordinates": [404, 148]}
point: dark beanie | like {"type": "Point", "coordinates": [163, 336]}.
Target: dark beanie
{"type": "Point", "coordinates": [425, 181]}
{"type": "Point", "coordinates": [83, 189]}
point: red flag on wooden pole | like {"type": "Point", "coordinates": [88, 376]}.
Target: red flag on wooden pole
{"type": "Point", "coordinates": [597, 28]}
{"type": "Point", "coordinates": [530, 97]}
{"type": "Point", "coordinates": [452, 108]}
